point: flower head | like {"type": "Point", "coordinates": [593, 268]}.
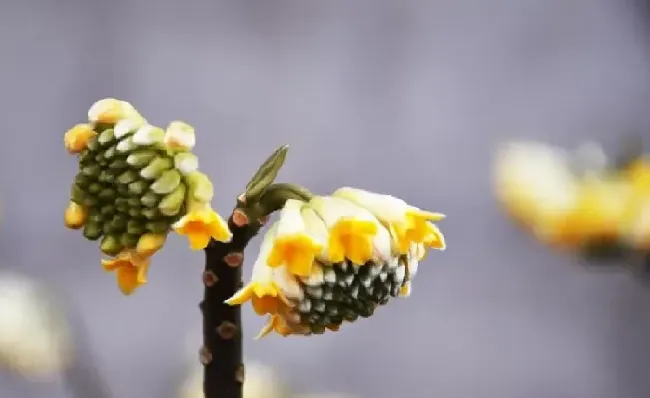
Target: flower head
{"type": "Point", "coordinates": [130, 269]}
{"type": "Point", "coordinates": [200, 225]}
{"type": "Point", "coordinates": [326, 262]}
{"type": "Point", "coordinates": [180, 136]}
{"type": "Point", "coordinates": [132, 189]}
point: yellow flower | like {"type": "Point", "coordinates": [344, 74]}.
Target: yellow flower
{"type": "Point", "coordinates": [299, 239]}
{"type": "Point", "coordinates": [269, 287]}
{"type": "Point", "coordinates": [354, 232]}
{"type": "Point", "coordinates": [111, 110]}
{"type": "Point", "coordinates": [76, 139]}
{"type": "Point", "coordinates": [75, 216]}
{"type": "Point", "coordinates": [131, 270]}
{"type": "Point", "coordinates": [408, 224]}
{"type": "Point", "coordinates": [180, 136]}
{"type": "Point", "coordinates": [200, 224]}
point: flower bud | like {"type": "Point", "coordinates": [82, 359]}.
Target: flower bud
{"type": "Point", "coordinates": [90, 202]}
{"type": "Point", "coordinates": [92, 231]}
{"type": "Point", "coordinates": [118, 164]}
{"type": "Point", "coordinates": [110, 152]}
{"type": "Point", "coordinates": [167, 182]}
{"type": "Point", "coordinates": [91, 171]}
{"type": "Point", "coordinates": [138, 187]}
{"type": "Point", "coordinates": [126, 145]}
{"type": "Point", "coordinates": [156, 168]}
{"type": "Point", "coordinates": [107, 210]}
{"type": "Point", "coordinates": [107, 194]}
{"type": "Point", "coordinates": [81, 180]}
{"type": "Point", "coordinates": [106, 137]}
{"type": "Point", "coordinates": [200, 186]}
{"type": "Point", "coordinates": [180, 136]}
{"type": "Point", "coordinates": [150, 243]}
{"type": "Point", "coordinates": [148, 135]}
{"type": "Point", "coordinates": [134, 228]}
{"type": "Point", "coordinates": [134, 202]}
{"type": "Point", "coordinates": [77, 194]}
{"type": "Point", "coordinates": [106, 177]}
{"type": "Point", "coordinates": [76, 139]}
{"type": "Point", "coordinates": [118, 223]}
{"type": "Point", "coordinates": [127, 177]}
{"type": "Point", "coordinates": [157, 227]}
{"type": "Point", "coordinates": [125, 127]}
{"type": "Point", "coordinates": [111, 111]}
{"type": "Point", "coordinates": [128, 240]}
{"type": "Point", "coordinates": [94, 188]}
{"type": "Point", "coordinates": [110, 245]}
{"type": "Point", "coordinates": [75, 216]}
{"type": "Point", "coordinates": [171, 204]}
{"type": "Point", "coordinates": [141, 158]}
{"type": "Point", "coordinates": [149, 199]}
{"type": "Point", "coordinates": [150, 214]}
{"type": "Point", "coordinates": [186, 162]}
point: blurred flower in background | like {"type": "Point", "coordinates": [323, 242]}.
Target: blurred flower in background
{"type": "Point", "coordinates": [581, 200]}
{"type": "Point", "coordinates": [35, 338]}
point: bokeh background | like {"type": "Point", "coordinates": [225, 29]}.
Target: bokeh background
{"type": "Point", "coordinates": [400, 96]}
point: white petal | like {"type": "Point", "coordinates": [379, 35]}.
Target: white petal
{"type": "Point", "coordinates": [290, 221]}
{"type": "Point", "coordinates": [287, 283]}
{"type": "Point", "coordinates": [124, 127]}
{"type": "Point", "coordinates": [315, 227]}
{"type": "Point", "coordinates": [387, 208]}
{"type": "Point", "coordinates": [147, 135]}
{"type": "Point", "coordinates": [331, 209]}
{"type": "Point", "coordinates": [261, 271]}
{"type": "Point", "coordinates": [180, 134]}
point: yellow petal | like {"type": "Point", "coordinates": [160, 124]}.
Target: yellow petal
{"type": "Point", "coordinates": [198, 240]}
{"type": "Point", "coordinates": [201, 224]}
{"type": "Point", "coordinates": [180, 136]}
{"type": "Point", "coordinates": [353, 239]}
{"type": "Point", "coordinates": [76, 139]}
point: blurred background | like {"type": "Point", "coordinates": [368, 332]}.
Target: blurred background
{"type": "Point", "coordinates": [407, 97]}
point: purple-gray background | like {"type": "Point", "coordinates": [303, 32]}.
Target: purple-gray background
{"type": "Point", "coordinates": [399, 96]}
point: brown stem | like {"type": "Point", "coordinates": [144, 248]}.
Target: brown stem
{"type": "Point", "coordinates": [221, 353]}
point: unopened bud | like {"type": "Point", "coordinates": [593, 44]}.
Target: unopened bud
{"type": "Point", "coordinates": [186, 162]}
{"type": "Point", "coordinates": [134, 228]}
{"type": "Point", "coordinates": [94, 188]}
{"type": "Point", "coordinates": [107, 194]}
{"type": "Point", "coordinates": [148, 135]}
{"type": "Point", "coordinates": [150, 214]}
{"type": "Point", "coordinates": [106, 137]}
{"type": "Point", "coordinates": [150, 243]}
{"type": "Point", "coordinates": [171, 204]}
{"type": "Point", "coordinates": [156, 168]}
{"type": "Point", "coordinates": [111, 245]}
{"type": "Point", "coordinates": [128, 177]}
{"type": "Point", "coordinates": [77, 194]}
{"type": "Point", "coordinates": [118, 223]}
{"type": "Point", "coordinates": [91, 171]}
{"type": "Point", "coordinates": [149, 199]}
{"type": "Point", "coordinates": [126, 145]}
{"type": "Point", "coordinates": [92, 231]}
{"type": "Point", "coordinates": [76, 139]}
{"type": "Point", "coordinates": [110, 152]}
{"type": "Point", "coordinates": [107, 110]}
{"type": "Point", "coordinates": [129, 241]}
{"type": "Point", "coordinates": [75, 216]}
{"type": "Point", "coordinates": [200, 186]}
{"type": "Point", "coordinates": [106, 177]}
{"type": "Point", "coordinates": [118, 164]}
{"type": "Point", "coordinates": [180, 136]}
{"type": "Point", "coordinates": [167, 182]}
{"type": "Point", "coordinates": [157, 227]}
{"type": "Point", "coordinates": [125, 127]}
{"type": "Point", "coordinates": [141, 158]}
{"type": "Point", "coordinates": [138, 187]}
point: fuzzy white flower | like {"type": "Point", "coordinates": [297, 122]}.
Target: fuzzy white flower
{"type": "Point", "coordinates": [34, 333]}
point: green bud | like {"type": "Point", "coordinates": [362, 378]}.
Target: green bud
{"type": "Point", "coordinates": [156, 168]}
{"type": "Point", "coordinates": [135, 228]}
{"type": "Point", "coordinates": [141, 158]}
{"type": "Point", "coordinates": [138, 187]}
{"type": "Point", "coordinates": [106, 177]}
{"type": "Point", "coordinates": [122, 209]}
{"type": "Point", "coordinates": [77, 194]}
{"type": "Point", "coordinates": [129, 241]}
{"type": "Point", "coordinates": [106, 137]}
{"type": "Point", "coordinates": [107, 194]}
{"type": "Point", "coordinates": [150, 199]}
{"type": "Point", "coordinates": [95, 188]}
{"type": "Point", "coordinates": [171, 204]}
{"type": "Point", "coordinates": [91, 170]}
{"type": "Point", "coordinates": [110, 152]}
{"type": "Point", "coordinates": [111, 245]}
{"type": "Point", "coordinates": [128, 177]}
{"type": "Point", "coordinates": [126, 145]}
{"type": "Point", "coordinates": [150, 214]}
{"type": "Point", "coordinates": [93, 144]}
{"type": "Point", "coordinates": [157, 227]}
{"type": "Point", "coordinates": [122, 190]}
{"type": "Point", "coordinates": [90, 202]}
{"type": "Point", "coordinates": [86, 156]}
{"type": "Point", "coordinates": [186, 162]}
{"type": "Point", "coordinates": [118, 223]}
{"type": "Point", "coordinates": [92, 231]}
{"type": "Point", "coordinates": [108, 210]}
{"type": "Point", "coordinates": [134, 202]}
{"type": "Point", "coordinates": [167, 182]}
{"type": "Point", "coordinates": [81, 180]}
{"type": "Point", "coordinates": [135, 213]}
{"type": "Point", "coordinates": [99, 158]}
{"type": "Point", "coordinates": [99, 127]}
{"type": "Point", "coordinates": [122, 202]}
{"type": "Point", "coordinates": [96, 217]}
{"type": "Point", "coordinates": [200, 186]}
{"type": "Point", "coordinates": [118, 164]}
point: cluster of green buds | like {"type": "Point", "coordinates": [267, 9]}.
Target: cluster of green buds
{"type": "Point", "coordinates": [136, 183]}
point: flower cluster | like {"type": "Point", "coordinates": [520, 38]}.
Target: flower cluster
{"type": "Point", "coordinates": [136, 183]}
{"type": "Point", "coordinates": [576, 200]}
{"type": "Point", "coordinates": [336, 258]}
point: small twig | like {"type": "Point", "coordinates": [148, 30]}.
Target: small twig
{"type": "Point", "coordinates": [221, 353]}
